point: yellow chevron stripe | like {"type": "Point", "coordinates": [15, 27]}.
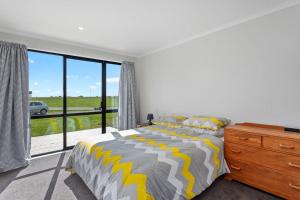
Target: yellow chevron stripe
{"type": "Point", "coordinates": [128, 178]}
{"type": "Point", "coordinates": [176, 153]}
{"type": "Point", "coordinates": [207, 141]}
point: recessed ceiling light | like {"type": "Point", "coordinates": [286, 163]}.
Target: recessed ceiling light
{"type": "Point", "coordinates": [80, 28]}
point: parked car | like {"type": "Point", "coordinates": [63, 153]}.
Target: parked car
{"type": "Point", "coordinates": [38, 107]}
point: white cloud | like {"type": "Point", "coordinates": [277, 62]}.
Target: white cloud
{"type": "Point", "coordinates": [72, 76]}
{"type": "Point", "coordinates": [99, 83]}
{"type": "Point", "coordinates": [35, 83]}
{"type": "Point", "coordinates": [35, 92]}
{"type": "Point", "coordinates": [92, 87]}
{"type": "Point", "coordinates": [31, 61]}
{"type": "Point", "coordinates": [113, 80]}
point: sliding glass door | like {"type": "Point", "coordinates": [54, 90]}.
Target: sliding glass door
{"type": "Point", "coordinates": [84, 99]}
{"type": "Point", "coordinates": [46, 102]}
{"type": "Point", "coordinates": [113, 72]}
{"type": "Point", "coordinates": [72, 99]}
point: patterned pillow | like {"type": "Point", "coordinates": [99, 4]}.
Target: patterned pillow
{"type": "Point", "coordinates": [222, 119]}
{"type": "Point", "coordinates": [201, 131]}
{"type": "Point", "coordinates": [168, 124]}
{"type": "Point", "coordinates": [210, 123]}
{"type": "Point", "coordinates": [172, 118]}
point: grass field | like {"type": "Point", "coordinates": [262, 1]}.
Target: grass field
{"type": "Point", "coordinates": [49, 126]}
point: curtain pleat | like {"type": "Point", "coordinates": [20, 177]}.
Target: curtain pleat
{"type": "Point", "coordinates": [14, 107]}
{"type": "Point", "coordinates": [128, 111]}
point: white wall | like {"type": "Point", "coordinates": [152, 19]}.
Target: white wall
{"type": "Point", "coordinates": [250, 72]}
{"type": "Point", "coordinates": [63, 47]}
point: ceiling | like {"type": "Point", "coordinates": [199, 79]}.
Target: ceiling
{"type": "Point", "coordinates": [129, 27]}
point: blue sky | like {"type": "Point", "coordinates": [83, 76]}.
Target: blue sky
{"type": "Point", "coordinates": [83, 78]}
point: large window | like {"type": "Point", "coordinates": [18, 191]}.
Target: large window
{"type": "Point", "coordinates": [45, 83]}
{"type": "Point", "coordinates": [71, 98]}
{"type": "Point", "coordinates": [112, 94]}
{"type": "Point", "coordinates": [84, 82]}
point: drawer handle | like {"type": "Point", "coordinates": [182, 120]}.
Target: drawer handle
{"type": "Point", "coordinates": [294, 186]}
{"type": "Point", "coordinates": [283, 146]}
{"type": "Point", "coordinates": [236, 151]}
{"type": "Point", "coordinates": [294, 165]}
{"type": "Point", "coordinates": [234, 167]}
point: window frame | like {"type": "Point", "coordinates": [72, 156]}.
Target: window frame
{"type": "Point", "coordinates": [65, 114]}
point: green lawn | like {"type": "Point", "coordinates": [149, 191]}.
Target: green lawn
{"type": "Point", "coordinates": [49, 126]}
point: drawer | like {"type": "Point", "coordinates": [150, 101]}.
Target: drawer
{"type": "Point", "coordinates": [284, 163]}
{"type": "Point", "coordinates": [294, 188]}
{"type": "Point", "coordinates": [242, 138]}
{"type": "Point", "coordinates": [265, 179]}
{"type": "Point", "coordinates": [283, 145]}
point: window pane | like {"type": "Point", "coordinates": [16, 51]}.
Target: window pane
{"type": "Point", "coordinates": [46, 135]}
{"type": "Point", "coordinates": [83, 127]}
{"type": "Point", "coordinates": [45, 83]}
{"type": "Point", "coordinates": [83, 86]}
{"type": "Point", "coordinates": [111, 122]}
{"type": "Point", "coordinates": [113, 72]}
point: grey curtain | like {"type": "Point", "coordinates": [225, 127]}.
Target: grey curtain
{"type": "Point", "coordinates": [14, 109]}
{"type": "Point", "coordinates": [128, 112]}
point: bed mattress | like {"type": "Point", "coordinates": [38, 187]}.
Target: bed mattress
{"type": "Point", "coordinates": [154, 162]}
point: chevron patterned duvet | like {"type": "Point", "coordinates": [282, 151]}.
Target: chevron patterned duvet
{"type": "Point", "coordinates": [159, 163]}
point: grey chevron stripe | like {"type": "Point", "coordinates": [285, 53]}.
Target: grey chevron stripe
{"type": "Point", "coordinates": [162, 157]}
{"type": "Point", "coordinates": [200, 145]}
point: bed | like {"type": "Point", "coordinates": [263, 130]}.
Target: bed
{"type": "Point", "coordinates": [153, 162]}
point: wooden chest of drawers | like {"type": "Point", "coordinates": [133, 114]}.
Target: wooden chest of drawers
{"type": "Point", "coordinates": [265, 157]}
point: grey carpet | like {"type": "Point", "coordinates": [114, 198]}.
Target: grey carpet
{"type": "Point", "coordinates": [46, 179]}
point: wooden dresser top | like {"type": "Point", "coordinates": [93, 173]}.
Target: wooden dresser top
{"type": "Point", "coordinates": [277, 132]}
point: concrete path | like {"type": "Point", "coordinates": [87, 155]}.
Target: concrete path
{"type": "Point", "coordinates": [46, 143]}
